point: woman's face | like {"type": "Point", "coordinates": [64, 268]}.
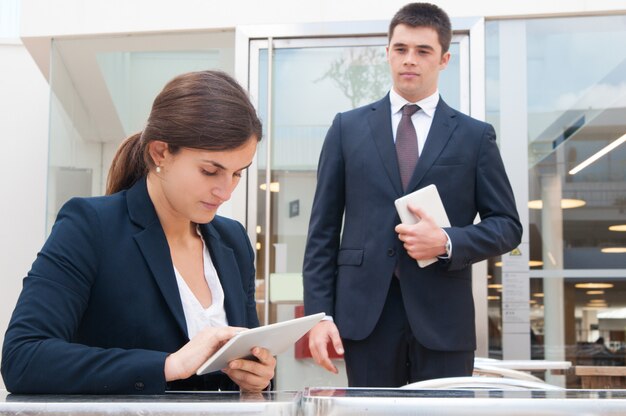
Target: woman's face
{"type": "Point", "coordinates": [196, 182]}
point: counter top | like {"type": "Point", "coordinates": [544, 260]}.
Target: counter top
{"type": "Point", "coordinates": [327, 402]}
{"type": "Point", "coordinates": [204, 403]}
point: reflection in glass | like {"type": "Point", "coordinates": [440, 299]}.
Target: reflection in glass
{"type": "Point", "coordinates": [576, 103]}
{"type": "Point", "coordinates": [101, 92]}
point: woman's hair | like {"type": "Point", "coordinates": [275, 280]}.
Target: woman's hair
{"type": "Point", "coordinates": [205, 110]}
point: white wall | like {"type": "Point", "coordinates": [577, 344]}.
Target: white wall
{"type": "Point", "coordinates": [44, 17]}
{"type": "Point", "coordinates": [23, 161]}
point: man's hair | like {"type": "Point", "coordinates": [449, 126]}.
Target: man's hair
{"type": "Point", "coordinates": [424, 15]}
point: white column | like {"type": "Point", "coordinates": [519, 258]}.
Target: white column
{"type": "Point", "coordinates": [514, 149]}
{"type": "Point", "coordinates": [553, 300]}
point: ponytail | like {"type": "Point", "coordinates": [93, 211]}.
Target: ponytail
{"type": "Point", "coordinates": [128, 165]}
{"type": "Point", "coordinates": [206, 110]}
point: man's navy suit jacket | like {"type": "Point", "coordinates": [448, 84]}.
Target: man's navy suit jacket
{"type": "Point", "coordinates": [347, 270]}
{"type": "Point", "coordinates": [100, 309]}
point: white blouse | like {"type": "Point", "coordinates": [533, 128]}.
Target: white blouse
{"type": "Point", "coordinates": [196, 317]}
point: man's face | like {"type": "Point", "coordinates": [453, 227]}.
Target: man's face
{"type": "Point", "coordinates": [415, 59]}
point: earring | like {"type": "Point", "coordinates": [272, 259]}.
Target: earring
{"type": "Point", "coordinates": [158, 169]}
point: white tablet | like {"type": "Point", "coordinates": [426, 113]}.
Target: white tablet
{"type": "Point", "coordinates": [275, 337]}
{"type": "Point", "coordinates": [429, 200]}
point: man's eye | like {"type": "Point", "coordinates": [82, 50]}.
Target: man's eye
{"type": "Point", "coordinates": [207, 173]}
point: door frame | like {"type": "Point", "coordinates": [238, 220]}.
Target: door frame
{"type": "Point", "coordinates": [469, 32]}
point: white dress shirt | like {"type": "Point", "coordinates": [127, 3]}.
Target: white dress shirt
{"type": "Point", "coordinates": [196, 316]}
{"type": "Point", "coordinates": [422, 120]}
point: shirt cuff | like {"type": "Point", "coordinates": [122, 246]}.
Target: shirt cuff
{"type": "Point", "coordinates": [448, 254]}
{"type": "Point", "coordinates": [328, 318]}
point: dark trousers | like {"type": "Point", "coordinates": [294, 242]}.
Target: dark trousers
{"type": "Point", "coordinates": [391, 356]}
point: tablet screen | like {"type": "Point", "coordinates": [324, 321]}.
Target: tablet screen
{"type": "Point", "coordinates": [277, 338]}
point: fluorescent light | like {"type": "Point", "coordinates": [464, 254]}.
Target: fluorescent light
{"type": "Point", "coordinates": [566, 203]}
{"type": "Point", "coordinates": [606, 149]}
{"type": "Point", "coordinates": [620, 227]}
{"type": "Point", "coordinates": [258, 229]}
{"type": "Point", "coordinates": [594, 285]}
{"type": "Point", "coordinates": [595, 292]}
{"type": "Point", "coordinates": [495, 286]}
{"type": "Point", "coordinates": [274, 186]}
{"type": "Point", "coordinates": [538, 295]}
{"type": "Point", "coordinates": [531, 263]}
{"type": "Point", "coordinates": [493, 297]}
{"type": "Point", "coordinates": [614, 250]}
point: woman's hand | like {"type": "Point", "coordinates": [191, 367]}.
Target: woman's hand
{"type": "Point", "coordinates": [252, 376]}
{"type": "Point", "coordinates": [185, 362]}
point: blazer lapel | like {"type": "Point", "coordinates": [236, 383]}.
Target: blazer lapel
{"type": "Point", "coordinates": [380, 124]}
{"type": "Point", "coordinates": [440, 132]}
{"type": "Point", "coordinates": [228, 272]}
{"type": "Point", "coordinates": [153, 245]}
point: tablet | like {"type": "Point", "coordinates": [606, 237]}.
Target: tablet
{"type": "Point", "coordinates": [427, 199]}
{"type": "Point", "coordinates": [275, 337]}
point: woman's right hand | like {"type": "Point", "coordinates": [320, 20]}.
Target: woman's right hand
{"type": "Point", "coordinates": [185, 362]}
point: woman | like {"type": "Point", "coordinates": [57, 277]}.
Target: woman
{"type": "Point", "coordinates": [133, 291]}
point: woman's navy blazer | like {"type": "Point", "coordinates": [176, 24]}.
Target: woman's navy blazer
{"type": "Point", "coordinates": [100, 309]}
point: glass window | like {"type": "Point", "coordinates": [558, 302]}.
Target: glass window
{"type": "Point", "coordinates": [575, 109]}
{"type": "Point", "coordinates": [9, 19]}
{"type": "Point", "coordinates": [102, 92]}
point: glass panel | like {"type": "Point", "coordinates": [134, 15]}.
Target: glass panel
{"type": "Point", "coordinates": [102, 92]}
{"type": "Point", "coordinates": [576, 101]}
{"type": "Point", "coordinates": [310, 86]}
{"type": "Point", "coordinates": [9, 19]}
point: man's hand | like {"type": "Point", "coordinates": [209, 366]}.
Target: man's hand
{"type": "Point", "coordinates": [319, 336]}
{"type": "Point", "coordinates": [423, 240]}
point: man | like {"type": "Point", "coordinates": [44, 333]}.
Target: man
{"type": "Point", "coordinates": [399, 323]}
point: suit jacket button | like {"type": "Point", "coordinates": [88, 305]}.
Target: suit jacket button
{"type": "Point", "coordinates": [391, 252]}
{"type": "Point", "coordinates": [139, 385]}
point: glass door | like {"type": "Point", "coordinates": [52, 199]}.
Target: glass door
{"type": "Point", "coordinates": [299, 86]}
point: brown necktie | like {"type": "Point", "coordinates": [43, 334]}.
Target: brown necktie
{"type": "Point", "coordinates": [406, 144]}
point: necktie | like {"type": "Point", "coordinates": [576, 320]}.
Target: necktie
{"type": "Point", "coordinates": [406, 144]}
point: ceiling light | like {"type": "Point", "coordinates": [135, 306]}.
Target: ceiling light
{"type": "Point", "coordinates": [495, 286]}
{"type": "Point", "coordinates": [566, 203]}
{"type": "Point", "coordinates": [531, 263]}
{"type": "Point", "coordinates": [594, 285]}
{"type": "Point", "coordinates": [532, 301]}
{"type": "Point", "coordinates": [606, 149]}
{"type": "Point", "coordinates": [274, 186]}
{"type": "Point", "coordinates": [595, 292]}
{"type": "Point", "coordinates": [620, 227]}
{"type": "Point", "coordinates": [597, 301]}
{"type": "Point", "coordinates": [538, 295]}
{"type": "Point", "coordinates": [258, 246]}
{"type": "Point", "coordinates": [614, 250]}
{"type": "Point", "coordinates": [493, 297]}
{"type": "Point", "coordinates": [258, 229]}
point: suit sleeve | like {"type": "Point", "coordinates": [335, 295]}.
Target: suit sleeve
{"type": "Point", "coordinates": [250, 282]}
{"type": "Point", "coordinates": [39, 355]}
{"type": "Point", "coordinates": [320, 257]}
{"type": "Point", "coordinates": [499, 230]}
